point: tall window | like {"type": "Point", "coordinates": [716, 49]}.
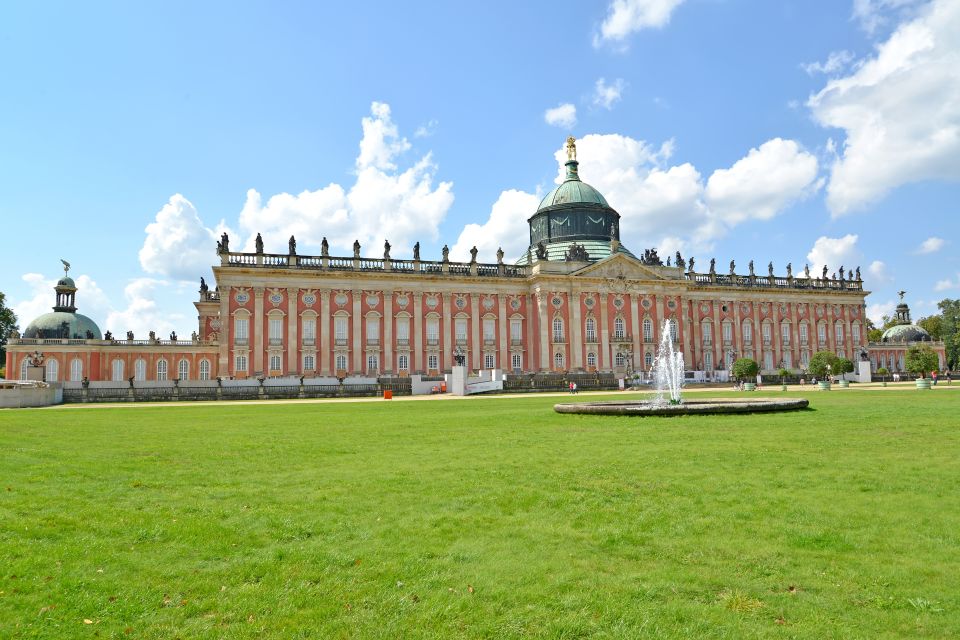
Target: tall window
{"type": "Point", "coordinates": [787, 360]}
{"type": "Point", "coordinates": [309, 330]}
{"type": "Point", "coordinates": [516, 361]}
{"type": "Point", "coordinates": [241, 327]}
{"type": "Point", "coordinates": [276, 329]}
{"type": "Point", "coordinates": [76, 369]}
{"type": "Point", "coordinates": [516, 331]}
{"type": "Point", "coordinates": [433, 330]}
{"type": "Point", "coordinates": [839, 331]}
{"type": "Point", "coordinates": [140, 369]}
{"type": "Point", "coordinates": [803, 333]}
{"type": "Point", "coordinates": [489, 361]}
{"type": "Point", "coordinates": [403, 362]}
{"type": "Point", "coordinates": [340, 329]}
{"type": "Point", "coordinates": [648, 359]}
{"type": "Point", "coordinates": [855, 333]}
{"type": "Point", "coordinates": [558, 360]}
{"type": "Point", "coordinates": [673, 329]}
{"type": "Point", "coordinates": [489, 330]}
{"type": "Point", "coordinates": [708, 361]}
{"type": "Point", "coordinates": [591, 330]}
{"type": "Point", "coordinates": [161, 369]}
{"type": "Point", "coordinates": [785, 333]}
{"type": "Point", "coordinates": [591, 359]}
{"type": "Point", "coordinates": [372, 364]}
{"type": "Point", "coordinates": [240, 364]}
{"type": "Point", "coordinates": [373, 330]}
{"type": "Point", "coordinates": [460, 327]}
{"type": "Point", "coordinates": [558, 329]}
{"type": "Point", "coordinates": [403, 329]}
{"type": "Point", "coordinates": [729, 360]}
{"type": "Point", "coordinates": [707, 333]}
{"type": "Point", "coordinates": [747, 331]}
{"type": "Point", "coordinates": [822, 333]}
{"type": "Point", "coordinates": [727, 332]}
{"type": "Point", "coordinates": [767, 360]}
{"type": "Point", "coordinates": [341, 362]}
{"type": "Point", "coordinates": [275, 362]}
{"type": "Point", "coordinates": [116, 370]}
{"type": "Point", "coordinates": [204, 369]}
{"type": "Point", "coordinates": [647, 330]}
{"type": "Point", "coordinates": [765, 328]}
{"type": "Point", "coordinates": [23, 369]}
{"type": "Point", "coordinates": [433, 362]}
{"type": "Point", "coordinates": [804, 358]}
{"type": "Point", "coordinates": [618, 327]}
{"type": "Point", "coordinates": [183, 369]}
{"type": "Point", "coordinates": [53, 370]}
{"type": "Point", "coordinates": [309, 363]}
{"type": "Point", "coordinates": [620, 360]}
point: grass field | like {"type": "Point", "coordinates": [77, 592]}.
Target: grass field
{"type": "Point", "coordinates": [482, 518]}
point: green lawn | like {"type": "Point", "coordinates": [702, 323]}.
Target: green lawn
{"type": "Point", "coordinates": [482, 518]}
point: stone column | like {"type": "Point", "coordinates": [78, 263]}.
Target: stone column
{"type": "Point", "coordinates": [418, 332]}
{"type": "Point", "coordinates": [476, 360]}
{"type": "Point", "coordinates": [357, 346]}
{"type": "Point", "coordinates": [258, 330]}
{"type": "Point", "coordinates": [721, 362]}
{"type": "Point", "coordinates": [757, 334]}
{"type": "Point", "coordinates": [605, 355]}
{"type": "Point", "coordinates": [795, 329]}
{"type": "Point", "coordinates": [325, 352]}
{"type": "Point", "coordinates": [530, 334]}
{"type": "Point", "coordinates": [635, 331]}
{"type": "Point", "coordinates": [697, 339]}
{"type": "Point", "coordinates": [225, 337]}
{"type": "Point", "coordinates": [576, 330]}
{"type": "Point", "coordinates": [387, 365]}
{"type": "Point", "coordinates": [502, 336]}
{"type": "Point", "coordinates": [446, 334]}
{"type": "Point", "coordinates": [545, 343]}
{"type": "Point", "coordinates": [294, 365]}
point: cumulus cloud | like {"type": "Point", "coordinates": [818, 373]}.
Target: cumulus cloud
{"type": "Point", "coordinates": [899, 110]}
{"type": "Point", "coordinates": [930, 245]}
{"type": "Point", "coordinates": [563, 116]}
{"type": "Point", "coordinates": [764, 182]}
{"type": "Point", "coordinates": [506, 227]}
{"type": "Point", "coordinates": [873, 14]}
{"type": "Point", "coordinates": [90, 300]}
{"type": "Point", "coordinates": [878, 272]}
{"type": "Point", "coordinates": [384, 203]}
{"type": "Point", "coordinates": [178, 243]}
{"type": "Point", "coordinates": [606, 95]}
{"type": "Point", "coordinates": [142, 314]}
{"type": "Point", "coordinates": [877, 310]}
{"type": "Point", "coordinates": [836, 61]}
{"type": "Point", "coordinates": [626, 17]}
{"type": "Point", "coordinates": [945, 285]}
{"type": "Point", "coordinates": [835, 253]}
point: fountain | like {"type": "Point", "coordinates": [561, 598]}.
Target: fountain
{"type": "Point", "coordinates": [668, 378]}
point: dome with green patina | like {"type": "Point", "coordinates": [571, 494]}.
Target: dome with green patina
{"type": "Point", "coordinates": [573, 191]}
{"type": "Point", "coordinates": [63, 324]}
{"type": "Point", "coordinates": [904, 330]}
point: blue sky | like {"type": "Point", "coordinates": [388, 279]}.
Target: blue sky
{"type": "Point", "coordinates": [786, 131]}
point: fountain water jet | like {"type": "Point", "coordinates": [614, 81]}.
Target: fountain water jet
{"type": "Point", "coordinates": [668, 370]}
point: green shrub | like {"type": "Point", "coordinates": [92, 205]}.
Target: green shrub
{"type": "Point", "coordinates": [822, 363]}
{"type": "Point", "coordinates": [921, 360]}
{"type": "Point", "coordinates": [842, 365]}
{"type": "Point", "coordinates": [882, 371]}
{"type": "Point", "coordinates": [745, 368]}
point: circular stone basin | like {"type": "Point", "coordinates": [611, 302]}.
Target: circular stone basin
{"type": "Point", "coordinates": [689, 407]}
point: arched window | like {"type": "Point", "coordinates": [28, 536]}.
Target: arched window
{"type": "Point", "coordinates": [839, 332]}
{"type": "Point", "coordinates": [591, 359]}
{"type": "Point", "coordinates": [53, 370]}
{"type": "Point", "coordinates": [558, 360]}
{"type": "Point", "coordinates": [855, 333]}
{"type": "Point", "coordinates": [591, 330]}
{"type": "Point", "coordinates": [619, 327]}
{"type": "Point", "coordinates": [747, 331]}
{"type": "Point", "coordinates": [140, 369]}
{"type": "Point", "coordinates": [341, 362]}
{"type": "Point", "coordinates": [785, 333]}
{"type": "Point", "coordinates": [822, 333]}
{"type": "Point", "coordinates": [183, 369]}
{"type": "Point", "coordinates": [76, 370]}
{"type": "Point", "coordinates": [767, 332]}
{"type": "Point", "coordinates": [403, 362]}
{"type": "Point", "coordinates": [558, 329]}
{"type": "Point", "coordinates": [161, 369]}
{"type": "Point", "coordinates": [204, 369]}
{"type": "Point", "coordinates": [648, 359]}
{"type": "Point", "coordinates": [647, 330]}
{"type": "Point", "coordinates": [117, 370]}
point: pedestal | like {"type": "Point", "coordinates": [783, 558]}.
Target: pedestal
{"type": "Point", "coordinates": [458, 381]}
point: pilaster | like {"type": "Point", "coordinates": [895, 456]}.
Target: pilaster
{"type": "Point", "coordinates": [325, 352]}
{"type": "Point", "coordinates": [387, 365]}
{"type": "Point", "coordinates": [418, 332]}
{"type": "Point", "coordinates": [357, 342]}
{"type": "Point", "coordinates": [294, 364]}
{"type": "Point", "coordinates": [258, 331]}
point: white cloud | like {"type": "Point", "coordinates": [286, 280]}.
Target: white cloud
{"type": "Point", "coordinates": [944, 285]}
{"type": "Point", "coordinates": [878, 272]}
{"type": "Point", "coordinates": [142, 314]}
{"type": "Point", "coordinates": [90, 299]}
{"type": "Point", "coordinates": [900, 111]}
{"type": "Point", "coordinates": [606, 95]}
{"type": "Point", "coordinates": [763, 183]}
{"type": "Point", "coordinates": [836, 61]}
{"type": "Point", "coordinates": [506, 227]}
{"type": "Point", "coordinates": [873, 14]}
{"type": "Point", "coordinates": [178, 244]}
{"type": "Point", "coordinates": [876, 311]}
{"type": "Point", "coordinates": [563, 116]}
{"type": "Point", "coordinates": [834, 253]}
{"type": "Point", "coordinates": [931, 245]}
{"type": "Point", "coordinates": [384, 203]}
{"type": "Point", "coordinates": [625, 17]}
{"type": "Point", "coordinates": [426, 130]}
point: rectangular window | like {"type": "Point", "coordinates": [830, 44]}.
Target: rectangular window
{"type": "Point", "coordinates": [403, 362]}
{"type": "Point", "coordinates": [647, 330]}
{"type": "Point", "coordinates": [460, 326]}
{"type": "Point", "coordinates": [340, 330]}
{"type": "Point", "coordinates": [309, 364]}
{"type": "Point", "coordinates": [516, 331]}
{"type": "Point", "coordinates": [403, 329]}
{"type": "Point", "coordinates": [489, 329]}
{"type": "Point", "coordinates": [803, 333]}
{"type": "Point", "coordinates": [747, 332]}
{"type": "Point", "coordinates": [516, 360]}
{"type": "Point", "coordinates": [274, 363]}
{"type": "Point", "coordinates": [240, 364]}
{"type": "Point", "coordinates": [855, 331]}
{"type": "Point", "coordinates": [341, 362]}
{"type": "Point", "coordinates": [373, 330]}
{"type": "Point", "coordinates": [489, 361]}
{"type": "Point", "coordinates": [766, 333]}
{"type": "Point", "coordinates": [768, 361]}
{"type": "Point", "coordinates": [839, 334]}
{"type": "Point", "coordinates": [707, 333]}
{"type": "Point", "coordinates": [822, 333]}
{"type": "Point", "coordinates": [433, 331]}
{"type": "Point", "coordinates": [727, 332]}
{"type": "Point", "coordinates": [309, 331]}
{"type": "Point", "coordinates": [433, 362]}
{"type": "Point", "coordinates": [276, 330]}
{"type": "Point", "coordinates": [241, 330]}
{"type": "Point", "coordinates": [785, 333]}
{"type": "Point", "coordinates": [591, 330]}
{"type": "Point", "coordinates": [708, 361]}
{"type": "Point", "coordinates": [787, 360]}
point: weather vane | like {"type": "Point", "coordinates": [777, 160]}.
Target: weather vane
{"type": "Point", "coordinates": [66, 266]}
{"type": "Point", "coordinates": [901, 294]}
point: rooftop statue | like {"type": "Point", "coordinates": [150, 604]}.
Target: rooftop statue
{"type": "Point", "coordinates": [500, 255]}
{"type": "Point", "coordinates": [770, 269]}
{"type": "Point", "coordinates": [129, 335]}
{"type": "Point", "coordinates": [203, 286]}
{"type": "Point", "coordinates": [713, 266]}
{"type": "Point", "coordinates": [473, 254]}
{"type": "Point", "coordinates": [356, 248]}
{"type": "Point", "coordinates": [292, 246]}
{"type": "Point", "coordinates": [789, 269]}
{"type": "Point", "coordinates": [824, 272]}
{"type": "Point", "coordinates": [259, 243]}
{"type": "Point", "coordinates": [691, 264]}
{"type": "Point", "coordinates": [225, 242]}
{"type": "Point", "coordinates": [733, 268]}
{"type": "Point", "coordinates": [668, 261]}
{"type": "Point", "coordinates": [386, 249]}
{"type": "Point", "coordinates": [751, 268]}
{"type": "Point", "coordinates": [173, 336]}
{"type": "Point", "coordinates": [858, 274]}
{"type": "Point", "coordinates": [541, 251]}
{"type": "Point", "coordinates": [445, 252]}
{"type": "Point", "coordinates": [324, 247]}
{"type": "Point", "coordinates": [679, 261]}
{"type": "Point", "coordinates": [416, 251]}
{"type": "Point", "coordinates": [901, 294]}
{"type": "Point", "coordinates": [571, 149]}
{"type": "Point", "coordinates": [806, 271]}
{"type": "Point", "coordinates": [841, 272]}
{"type": "Point", "coordinates": [66, 266]}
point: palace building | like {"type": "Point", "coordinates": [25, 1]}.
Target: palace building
{"type": "Point", "coordinates": [577, 300]}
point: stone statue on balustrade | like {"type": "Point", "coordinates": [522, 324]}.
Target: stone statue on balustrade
{"type": "Point", "coordinates": [130, 336]}
{"type": "Point", "coordinates": [108, 336]}
{"type": "Point", "coordinates": [806, 271]}
{"type": "Point", "coordinates": [258, 243]}
{"type": "Point", "coordinates": [541, 251]}
{"type": "Point", "coordinates": [789, 269]}
{"type": "Point", "coordinates": [386, 249]}
{"type": "Point", "coordinates": [500, 255]}
{"type": "Point", "coordinates": [824, 272]}
{"type": "Point", "coordinates": [324, 247]}
{"type": "Point", "coordinates": [770, 269]}
{"type": "Point", "coordinates": [733, 268]}
{"type": "Point", "coordinates": [841, 273]}
{"type": "Point", "coordinates": [416, 251]}
{"type": "Point", "coordinates": [292, 246]}
{"type": "Point", "coordinates": [445, 253]}
{"type": "Point", "coordinates": [473, 254]}
{"type": "Point", "coordinates": [750, 266]}
{"type": "Point", "coordinates": [690, 266]}
{"type": "Point", "coordinates": [713, 266]}
{"type": "Point", "coordinates": [356, 248]}
{"type": "Point", "coordinates": [173, 336]}
{"type": "Point", "coordinates": [203, 287]}
{"type": "Point", "coordinates": [224, 245]}
{"type": "Point", "coordinates": [153, 336]}
{"type": "Point", "coordinates": [679, 261]}
{"type": "Point", "coordinates": [858, 274]}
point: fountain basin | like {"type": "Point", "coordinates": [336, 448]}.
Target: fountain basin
{"type": "Point", "coordinates": [689, 407]}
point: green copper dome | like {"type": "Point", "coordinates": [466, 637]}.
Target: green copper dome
{"type": "Point", "coordinates": [905, 333]}
{"type": "Point", "coordinates": [573, 191]}
{"type": "Point", "coordinates": [62, 324]}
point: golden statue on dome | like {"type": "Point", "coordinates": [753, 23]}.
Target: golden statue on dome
{"type": "Point", "coordinates": [571, 148]}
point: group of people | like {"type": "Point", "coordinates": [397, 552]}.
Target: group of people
{"type": "Point", "coordinates": [573, 388]}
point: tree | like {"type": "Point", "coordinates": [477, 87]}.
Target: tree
{"type": "Point", "coordinates": [822, 362]}
{"type": "Point", "coordinates": [882, 372]}
{"type": "Point", "coordinates": [842, 366]}
{"type": "Point", "coordinates": [746, 369]}
{"type": "Point", "coordinates": [950, 330]}
{"type": "Point", "coordinates": [920, 360]}
{"type": "Point", "coordinates": [8, 322]}
{"type": "Point", "coordinates": [873, 334]}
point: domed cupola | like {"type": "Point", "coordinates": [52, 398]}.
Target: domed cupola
{"type": "Point", "coordinates": [905, 330]}
{"type": "Point", "coordinates": [64, 321]}
{"type": "Point", "coordinates": [573, 219]}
